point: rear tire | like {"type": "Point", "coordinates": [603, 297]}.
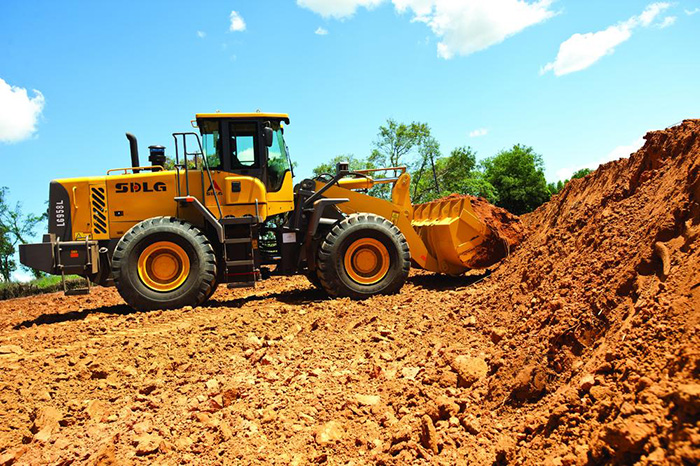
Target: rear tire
{"type": "Point", "coordinates": [363, 255]}
{"type": "Point", "coordinates": [164, 263]}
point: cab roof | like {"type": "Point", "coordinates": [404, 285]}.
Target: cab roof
{"type": "Point", "coordinates": [247, 116]}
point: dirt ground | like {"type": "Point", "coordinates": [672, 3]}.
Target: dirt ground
{"type": "Point", "coordinates": [581, 347]}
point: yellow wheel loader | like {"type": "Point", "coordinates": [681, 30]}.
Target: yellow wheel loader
{"type": "Point", "coordinates": [228, 212]}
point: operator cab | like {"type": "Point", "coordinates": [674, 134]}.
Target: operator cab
{"type": "Point", "coordinates": [249, 144]}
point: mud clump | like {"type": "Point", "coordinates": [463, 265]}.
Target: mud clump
{"type": "Point", "coordinates": [581, 348]}
{"type": "Point", "coordinates": [529, 384]}
{"type": "Point", "coordinates": [469, 370]}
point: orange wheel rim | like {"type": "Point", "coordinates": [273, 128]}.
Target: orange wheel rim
{"type": "Point", "coordinates": [367, 261]}
{"type": "Point", "coordinates": [163, 266]}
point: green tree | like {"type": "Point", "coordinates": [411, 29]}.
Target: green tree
{"type": "Point", "coordinates": [456, 174]}
{"type": "Point", "coordinates": [192, 163]}
{"type": "Point", "coordinates": [460, 174]}
{"type": "Point", "coordinates": [581, 173]}
{"type": "Point", "coordinates": [396, 141]}
{"type": "Point", "coordinates": [353, 162]}
{"type": "Point", "coordinates": [394, 146]}
{"type": "Point", "coordinates": [518, 177]}
{"type": "Point", "coordinates": [459, 166]}
{"type": "Point", "coordinates": [7, 256]}
{"type": "Point", "coordinates": [555, 188]}
{"type": "Point", "coordinates": [15, 228]}
{"type": "Point", "coordinates": [427, 186]}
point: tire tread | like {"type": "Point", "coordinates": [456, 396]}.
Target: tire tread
{"type": "Point", "coordinates": [332, 283]}
{"type": "Point", "coordinates": [208, 267]}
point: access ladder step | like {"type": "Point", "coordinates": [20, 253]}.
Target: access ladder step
{"type": "Point", "coordinates": [239, 263]}
{"type": "Point", "coordinates": [241, 285]}
{"type": "Point", "coordinates": [238, 240]}
{"type": "Point", "coordinates": [77, 291]}
{"type": "Point", "coordinates": [238, 220]}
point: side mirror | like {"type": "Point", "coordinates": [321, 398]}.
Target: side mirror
{"type": "Point", "coordinates": [268, 134]}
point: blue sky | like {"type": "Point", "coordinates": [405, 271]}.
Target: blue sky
{"type": "Point", "coordinates": [579, 81]}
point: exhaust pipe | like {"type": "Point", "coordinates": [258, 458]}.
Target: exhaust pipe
{"type": "Point", "coordinates": [134, 148]}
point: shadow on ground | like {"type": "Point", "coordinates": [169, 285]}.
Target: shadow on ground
{"type": "Point", "coordinates": [434, 282]}
{"type": "Point", "coordinates": [437, 282]}
{"type": "Point", "coordinates": [296, 297]}
{"type": "Point", "coordinates": [47, 319]}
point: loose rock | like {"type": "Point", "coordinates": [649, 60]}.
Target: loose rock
{"type": "Point", "coordinates": [469, 370]}
{"type": "Point", "coordinates": [428, 434]}
{"type": "Point", "coordinates": [329, 432]}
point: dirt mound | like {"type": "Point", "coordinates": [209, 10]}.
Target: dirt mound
{"type": "Point", "coordinates": [581, 348]}
{"type": "Point", "coordinates": [601, 307]}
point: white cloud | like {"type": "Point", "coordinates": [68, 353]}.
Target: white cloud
{"type": "Point", "coordinates": [338, 9]}
{"type": "Point", "coordinates": [321, 31]}
{"type": "Point", "coordinates": [580, 51]}
{"type": "Point", "coordinates": [468, 26]}
{"type": "Point", "coordinates": [462, 26]}
{"type": "Point", "coordinates": [692, 12]}
{"type": "Point", "coordinates": [615, 154]}
{"type": "Point", "coordinates": [19, 113]}
{"type": "Point", "coordinates": [201, 34]}
{"type": "Point", "coordinates": [23, 276]}
{"type": "Point", "coordinates": [622, 151]}
{"type": "Point", "coordinates": [668, 21]}
{"type": "Point", "coordinates": [237, 22]}
{"type": "Point", "coordinates": [650, 13]}
{"type": "Point", "coordinates": [478, 133]}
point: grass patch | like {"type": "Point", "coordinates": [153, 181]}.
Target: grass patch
{"type": "Point", "coordinates": [47, 284]}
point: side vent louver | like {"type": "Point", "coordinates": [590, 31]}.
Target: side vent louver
{"type": "Point", "coordinates": [99, 212]}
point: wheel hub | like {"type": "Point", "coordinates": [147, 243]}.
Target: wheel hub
{"type": "Point", "coordinates": [163, 266]}
{"type": "Point", "coordinates": [367, 261]}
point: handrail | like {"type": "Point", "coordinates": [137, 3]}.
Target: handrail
{"type": "Point", "coordinates": [371, 170]}
{"type": "Point", "coordinates": [153, 168]}
{"type": "Point", "coordinates": [204, 162]}
{"type": "Point", "coordinates": [384, 180]}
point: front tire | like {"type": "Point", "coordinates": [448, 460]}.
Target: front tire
{"type": "Point", "coordinates": [214, 286]}
{"type": "Point", "coordinates": [362, 256]}
{"type": "Point", "coordinates": [164, 263]}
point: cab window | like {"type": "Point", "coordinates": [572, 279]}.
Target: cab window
{"type": "Point", "coordinates": [277, 161]}
{"type": "Point", "coordinates": [211, 142]}
{"type": "Point", "coordinates": [244, 150]}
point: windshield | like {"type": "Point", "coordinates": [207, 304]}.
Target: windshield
{"type": "Point", "coordinates": [243, 145]}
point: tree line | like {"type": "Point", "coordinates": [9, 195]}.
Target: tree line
{"type": "Point", "coordinates": [513, 178]}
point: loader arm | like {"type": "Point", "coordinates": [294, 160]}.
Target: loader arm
{"type": "Point", "coordinates": [399, 212]}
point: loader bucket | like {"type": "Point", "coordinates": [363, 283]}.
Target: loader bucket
{"type": "Point", "coordinates": [464, 232]}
